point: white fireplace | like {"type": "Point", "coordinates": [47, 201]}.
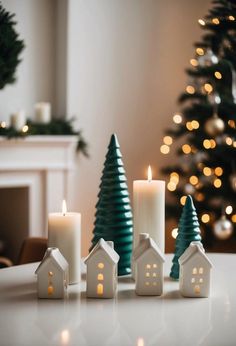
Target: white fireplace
{"type": "Point", "coordinates": [43, 165]}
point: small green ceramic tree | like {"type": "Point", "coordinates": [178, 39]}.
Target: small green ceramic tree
{"type": "Point", "coordinates": [188, 231]}
{"type": "Point", "coordinates": [114, 216]}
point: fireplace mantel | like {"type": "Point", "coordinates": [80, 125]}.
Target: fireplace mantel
{"type": "Point", "coordinates": [43, 164]}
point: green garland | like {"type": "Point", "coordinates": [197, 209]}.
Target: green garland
{"type": "Point", "coordinates": [56, 127]}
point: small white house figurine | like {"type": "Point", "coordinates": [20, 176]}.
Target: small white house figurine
{"type": "Point", "coordinates": [137, 251]}
{"type": "Point", "coordinates": [149, 269]}
{"type": "Point", "coordinates": [52, 275]}
{"type": "Point", "coordinates": [102, 270]}
{"type": "Point", "coordinates": [195, 271]}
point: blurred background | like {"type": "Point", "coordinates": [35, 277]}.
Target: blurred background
{"type": "Point", "coordinates": [116, 66]}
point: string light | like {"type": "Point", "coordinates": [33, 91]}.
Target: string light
{"type": "Point", "coordinates": [168, 140]}
{"type": "Point", "coordinates": [183, 200]}
{"type": "Point", "coordinates": [231, 123]}
{"type": "Point", "coordinates": [200, 51]}
{"type": "Point", "coordinates": [233, 218]}
{"type": "Point", "coordinates": [193, 180]}
{"type": "Point", "coordinates": [217, 183]}
{"type": "Point", "coordinates": [177, 119]}
{"type": "Point", "coordinates": [218, 171]}
{"type": "Point", "coordinates": [218, 75]}
{"type": "Point", "coordinates": [174, 233]}
{"type": "Point", "coordinates": [232, 18]}
{"type": "Point", "coordinates": [186, 149]}
{"type": "Point", "coordinates": [213, 143]}
{"type": "Point", "coordinates": [25, 128]}
{"type": "Point", "coordinates": [207, 143]}
{"type": "Point", "coordinates": [165, 149]}
{"type": "Point", "coordinates": [205, 218]}
{"type": "Point", "coordinates": [190, 89]}
{"type": "Point", "coordinates": [229, 209]}
{"type": "Point", "coordinates": [174, 177]}
{"type": "Point", "coordinates": [208, 87]}
{"type": "Point", "coordinates": [171, 186]}
{"type": "Point", "coordinates": [201, 22]}
{"type": "Point", "coordinates": [195, 124]}
{"type": "Point", "coordinates": [207, 171]}
{"type": "Point", "coordinates": [189, 125]}
{"type": "Point", "coordinates": [229, 141]}
{"type": "Point", "coordinates": [194, 62]}
{"type": "Point", "coordinates": [215, 21]}
{"type": "Point", "coordinates": [200, 197]}
{"type": "Point", "coordinates": [3, 124]}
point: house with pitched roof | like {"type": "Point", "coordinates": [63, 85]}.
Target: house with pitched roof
{"type": "Point", "coordinates": [52, 275]}
{"type": "Point", "coordinates": [148, 264]}
{"type": "Point", "coordinates": [195, 271]}
{"type": "Point", "coordinates": [137, 250]}
{"type": "Point", "coordinates": [102, 270]}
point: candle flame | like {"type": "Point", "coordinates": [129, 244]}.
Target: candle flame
{"type": "Point", "coordinates": [64, 208]}
{"type": "Point", "coordinates": [149, 173]}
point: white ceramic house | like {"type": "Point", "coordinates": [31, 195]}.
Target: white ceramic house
{"type": "Point", "coordinates": [137, 251]}
{"type": "Point", "coordinates": [52, 275]}
{"type": "Point", "coordinates": [195, 271]}
{"type": "Point", "coordinates": [149, 269]}
{"type": "Point", "coordinates": [102, 270]}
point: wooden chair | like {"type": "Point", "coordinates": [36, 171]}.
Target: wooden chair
{"type": "Point", "coordinates": [32, 250]}
{"type": "Point", "coordinates": [5, 262]}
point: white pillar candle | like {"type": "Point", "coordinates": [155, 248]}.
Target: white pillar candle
{"type": "Point", "coordinates": [149, 209]}
{"type": "Point", "coordinates": [18, 120]}
{"type": "Point", "coordinates": [43, 112]}
{"type": "Point", "coordinates": [64, 231]}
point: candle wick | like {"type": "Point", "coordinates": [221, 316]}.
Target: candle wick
{"type": "Point", "coordinates": [64, 214]}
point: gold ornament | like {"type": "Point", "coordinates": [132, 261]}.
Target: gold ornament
{"type": "Point", "coordinates": [214, 126]}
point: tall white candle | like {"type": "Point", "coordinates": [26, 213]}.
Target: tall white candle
{"type": "Point", "coordinates": [18, 120]}
{"type": "Point", "coordinates": [64, 231]}
{"type": "Point", "coordinates": [43, 112]}
{"type": "Point", "coordinates": [149, 209]}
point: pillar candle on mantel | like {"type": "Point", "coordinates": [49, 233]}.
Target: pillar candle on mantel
{"type": "Point", "coordinates": [149, 209]}
{"type": "Point", "coordinates": [64, 232]}
{"type": "Point", "coordinates": [42, 112]}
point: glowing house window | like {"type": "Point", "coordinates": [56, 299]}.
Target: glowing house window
{"type": "Point", "coordinates": [50, 290]}
{"type": "Point", "coordinates": [194, 271]}
{"type": "Point", "coordinates": [148, 266]}
{"type": "Point", "coordinates": [154, 265]}
{"type": "Point", "coordinates": [100, 265]}
{"type": "Point", "coordinates": [100, 289]}
{"type": "Point", "coordinates": [100, 277]}
{"type": "Point", "coordinates": [200, 270]}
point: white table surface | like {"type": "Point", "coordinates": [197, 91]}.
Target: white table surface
{"type": "Point", "coordinates": [126, 320]}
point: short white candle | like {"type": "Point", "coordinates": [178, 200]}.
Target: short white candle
{"type": "Point", "coordinates": [18, 120]}
{"type": "Point", "coordinates": [64, 231]}
{"type": "Point", "coordinates": [43, 112]}
{"type": "Point", "coordinates": [149, 209]}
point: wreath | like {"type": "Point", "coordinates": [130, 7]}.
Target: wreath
{"type": "Point", "coordinates": [10, 48]}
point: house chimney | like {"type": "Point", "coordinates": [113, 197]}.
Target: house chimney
{"type": "Point", "coordinates": [110, 243]}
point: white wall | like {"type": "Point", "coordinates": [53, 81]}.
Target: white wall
{"type": "Point", "coordinates": [36, 73]}
{"type": "Point", "coordinates": [125, 71]}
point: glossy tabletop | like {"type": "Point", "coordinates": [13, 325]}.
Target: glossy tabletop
{"type": "Point", "coordinates": [126, 320]}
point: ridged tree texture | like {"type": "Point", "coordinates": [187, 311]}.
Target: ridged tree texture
{"type": "Point", "coordinates": [188, 231]}
{"type": "Point", "coordinates": [113, 218]}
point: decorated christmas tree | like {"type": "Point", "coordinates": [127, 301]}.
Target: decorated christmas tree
{"type": "Point", "coordinates": [204, 130]}
{"type": "Point", "coordinates": [188, 231]}
{"type": "Point", "coordinates": [114, 216]}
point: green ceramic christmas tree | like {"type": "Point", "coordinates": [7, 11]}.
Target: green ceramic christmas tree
{"type": "Point", "coordinates": [188, 231]}
{"type": "Point", "coordinates": [114, 216]}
